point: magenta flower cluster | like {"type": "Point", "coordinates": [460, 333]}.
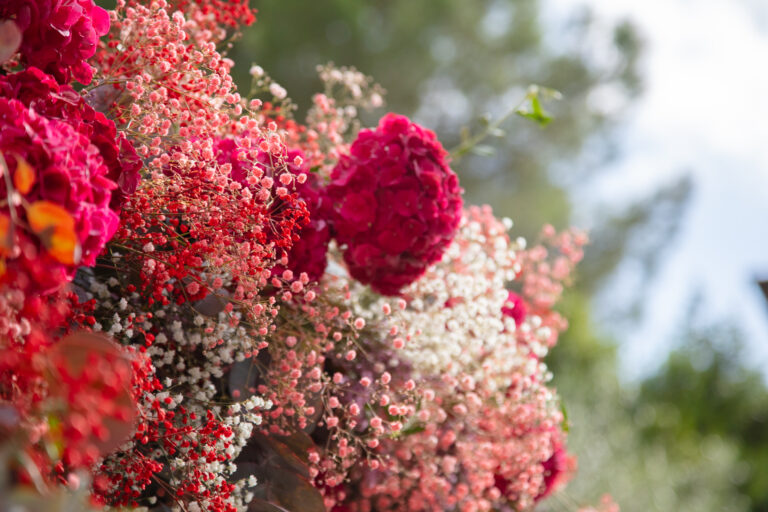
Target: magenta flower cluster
{"type": "Point", "coordinates": [393, 203]}
{"type": "Point", "coordinates": [58, 36]}
{"type": "Point", "coordinates": [40, 92]}
{"type": "Point", "coordinates": [79, 164]}
{"type": "Point", "coordinates": [396, 204]}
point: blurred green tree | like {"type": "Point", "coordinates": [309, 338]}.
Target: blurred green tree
{"type": "Point", "coordinates": [704, 391]}
{"type": "Point", "coordinates": [639, 445]}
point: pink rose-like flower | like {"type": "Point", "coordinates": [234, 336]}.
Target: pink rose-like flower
{"type": "Point", "coordinates": [40, 92]}
{"type": "Point", "coordinates": [69, 172]}
{"type": "Point", "coordinates": [396, 204]}
{"type": "Point", "coordinates": [308, 252]}
{"type": "Point", "coordinates": [58, 36]}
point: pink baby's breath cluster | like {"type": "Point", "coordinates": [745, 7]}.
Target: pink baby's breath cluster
{"type": "Point", "coordinates": [488, 431]}
{"type": "Point", "coordinates": [207, 304]}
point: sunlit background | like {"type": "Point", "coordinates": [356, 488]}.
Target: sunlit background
{"type": "Point", "coordinates": [659, 146]}
{"type": "Point", "coordinates": [699, 115]}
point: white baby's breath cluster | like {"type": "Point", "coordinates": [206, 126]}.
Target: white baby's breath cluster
{"type": "Point", "coordinates": [450, 321]}
{"type": "Point", "coordinates": [453, 317]}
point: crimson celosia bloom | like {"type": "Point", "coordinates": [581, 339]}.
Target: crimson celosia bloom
{"type": "Point", "coordinates": [308, 253]}
{"type": "Point", "coordinates": [397, 204]}
{"type": "Point", "coordinates": [40, 91]}
{"type": "Point", "coordinates": [58, 35]}
{"type": "Point", "coordinates": [68, 172]}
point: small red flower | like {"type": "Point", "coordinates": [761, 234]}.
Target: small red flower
{"type": "Point", "coordinates": [557, 469]}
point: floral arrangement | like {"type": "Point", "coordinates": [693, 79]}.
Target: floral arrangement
{"type": "Point", "coordinates": [208, 305]}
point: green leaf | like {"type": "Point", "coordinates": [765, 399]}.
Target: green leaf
{"type": "Point", "coordinates": [532, 107]}
{"type": "Point", "coordinates": [413, 429]}
{"type": "Point", "coordinates": [483, 150]}
{"type": "Point", "coordinates": [566, 423]}
{"type": "Point", "coordinates": [497, 132]}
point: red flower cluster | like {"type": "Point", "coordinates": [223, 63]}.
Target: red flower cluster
{"type": "Point", "coordinates": [396, 204]}
{"type": "Point", "coordinates": [65, 160]}
{"type": "Point", "coordinates": [58, 35]}
{"type": "Point", "coordinates": [308, 253]}
{"type": "Point", "coordinates": [81, 385]}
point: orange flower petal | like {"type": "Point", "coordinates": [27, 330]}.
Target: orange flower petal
{"type": "Point", "coordinates": [63, 245]}
{"type": "Point", "coordinates": [24, 176]}
{"type": "Point", "coordinates": [6, 238]}
{"type": "Point", "coordinates": [56, 229]}
{"type": "Point", "coordinates": [44, 215]}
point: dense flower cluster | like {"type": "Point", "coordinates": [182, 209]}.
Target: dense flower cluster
{"type": "Point", "coordinates": [59, 213]}
{"type": "Point", "coordinates": [310, 243]}
{"type": "Point", "coordinates": [59, 36]}
{"type": "Point", "coordinates": [396, 204]}
{"type": "Point", "coordinates": [226, 13]}
{"type": "Point", "coordinates": [196, 301]}
{"type": "Point", "coordinates": [488, 430]}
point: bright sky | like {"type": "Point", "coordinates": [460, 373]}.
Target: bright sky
{"type": "Point", "coordinates": [704, 111]}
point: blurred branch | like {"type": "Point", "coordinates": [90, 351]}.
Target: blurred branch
{"type": "Point", "coordinates": [530, 108]}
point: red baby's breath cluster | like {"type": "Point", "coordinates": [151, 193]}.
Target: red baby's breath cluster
{"type": "Point", "coordinates": [227, 14]}
{"type": "Point", "coordinates": [207, 304]}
